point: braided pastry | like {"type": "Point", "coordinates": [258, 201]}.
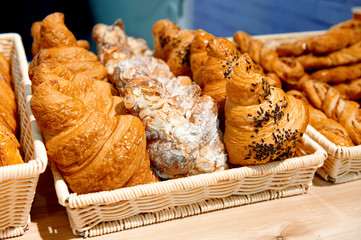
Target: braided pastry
{"type": "Point", "coordinates": [338, 74]}
{"type": "Point", "coordinates": [181, 126]}
{"type": "Point", "coordinates": [336, 38]}
{"type": "Point", "coordinates": [350, 90]}
{"type": "Point", "coordinates": [262, 122]}
{"type": "Point", "coordinates": [328, 99]}
{"type": "Point", "coordinates": [328, 127]}
{"type": "Point", "coordinates": [173, 46]}
{"type": "Point", "coordinates": [93, 151]}
{"type": "Point", "coordinates": [287, 69]}
{"type": "Point", "coordinates": [351, 54]}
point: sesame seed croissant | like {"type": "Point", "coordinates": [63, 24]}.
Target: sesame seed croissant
{"type": "Point", "coordinates": [213, 75]}
{"type": "Point", "coordinates": [262, 122]}
{"type": "Point", "coordinates": [172, 45]}
{"type": "Point", "coordinates": [93, 151]}
{"type": "Point", "coordinates": [288, 69]}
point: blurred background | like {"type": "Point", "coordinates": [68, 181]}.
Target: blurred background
{"type": "Point", "coordinates": [220, 18]}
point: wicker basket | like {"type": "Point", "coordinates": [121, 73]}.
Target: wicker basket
{"type": "Point", "coordinates": [109, 211]}
{"type": "Point", "coordinates": [18, 182]}
{"type": "Point", "coordinates": [343, 163]}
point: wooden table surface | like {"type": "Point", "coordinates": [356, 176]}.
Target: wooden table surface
{"type": "Point", "coordinates": [327, 211]}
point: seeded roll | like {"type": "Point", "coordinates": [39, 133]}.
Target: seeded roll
{"type": "Point", "coordinates": [262, 123]}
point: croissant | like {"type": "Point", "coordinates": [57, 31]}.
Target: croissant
{"type": "Point", "coordinates": [349, 55]}
{"type": "Point", "coordinates": [52, 32]}
{"type": "Point", "coordinates": [262, 122]}
{"type": "Point", "coordinates": [10, 152]}
{"type": "Point", "coordinates": [338, 74]}
{"type": "Point", "coordinates": [336, 38]}
{"type": "Point", "coordinates": [215, 72]}
{"type": "Point", "coordinates": [287, 69]}
{"type": "Point", "coordinates": [328, 127]}
{"type": "Point", "coordinates": [93, 151]}
{"type": "Point", "coordinates": [198, 58]}
{"type": "Point", "coordinates": [77, 60]}
{"type": "Point", "coordinates": [113, 45]}
{"type": "Point", "coordinates": [173, 46]}
{"type": "Point", "coordinates": [181, 126]}
{"type": "Point", "coordinates": [328, 99]}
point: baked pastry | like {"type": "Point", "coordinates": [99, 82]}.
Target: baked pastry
{"type": "Point", "coordinates": [10, 152]}
{"type": "Point", "coordinates": [336, 38]}
{"type": "Point", "coordinates": [288, 69]}
{"type": "Point", "coordinates": [77, 60]}
{"type": "Point", "coordinates": [350, 90]}
{"type": "Point", "coordinates": [52, 32]}
{"type": "Point", "coordinates": [5, 69]}
{"type": "Point", "coordinates": [328, 127]}
{"type": "Point", "coordinates": [181, 126]}
{"type": "Point", "coordinates": [328, 99]}
{"type": "Point", "coordinates": [338, 74]}
{"type": "Point", "coordinates": [8, 108]}
{"type": "Point", "coordinates": [93, 151]}
{"type": "Point", "coordinates": [262, 122]}
{"type": "Point", "coordinates": [199, 56]}
{"type": "Point", "coordinates": [113, 44]}
{"type": "Point", "coordinates": [215, 73]}
{"type": "Point", "coordinates": [173, 46]}
{"type": "Point", "coordinates": [349, 55]}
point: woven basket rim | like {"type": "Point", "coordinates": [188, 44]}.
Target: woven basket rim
{"type": "Point", "coordinates": [37, 165]}
{"type": "Point", "coordinates": [73, 200]}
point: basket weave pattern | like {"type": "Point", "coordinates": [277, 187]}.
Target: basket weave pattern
{"type": "Point", "coordinates": [109, 211]}
{"type": "Point", "coordinates": [18, 182]}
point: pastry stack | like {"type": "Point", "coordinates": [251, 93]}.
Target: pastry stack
{"type": "Point", "coordinates": [331, 83]}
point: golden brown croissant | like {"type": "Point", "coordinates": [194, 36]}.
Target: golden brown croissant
{"type": "Point", "coordinates": [262, 122]}
{"type": "Point", "coordinates": [289, 70]}
{"type": "Point", "coordinates": [9, 148]}
{"type": "Point", "coordinates": [349, 55]}
{"type": "Point", "coordinates": [77, 60]}
{"type": "Point", "coordinates": [173, 46]}
{"type": "Point", "coordinates": [338, 74]}
{"type": "Point", "coordinates": [181, 126]}
{"type": "Point", "coordinates": [93, 151]}
{"type": "Point", "coordinates": [52, 32]}
{"type": "Point", "coordinates": [215, 73]}
{"type": "Point", "coordinates": [113, 45]}
{"type": "Point", "coordinates": [328, 99]}
{"type": "Point", "coordinates": [336, 38]}
{"type": "Point", "coordinates": [328, 127]}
